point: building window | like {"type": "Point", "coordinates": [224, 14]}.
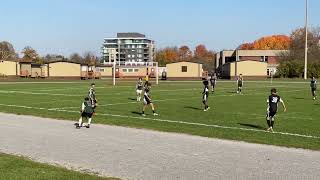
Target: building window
{"type": "Point", "coordinates": [130, 70]}
{"type": "Point", "coordinates": [184, 68]}
{"type": "Point", "coordinates": [136, 70]}
{"type": "Point", "coordinates": [125, 70]}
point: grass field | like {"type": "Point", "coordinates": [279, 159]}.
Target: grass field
{"type": "Point", "coordinates": [13, 167]}
{"type": "Point", "coordinates": [232, 116]}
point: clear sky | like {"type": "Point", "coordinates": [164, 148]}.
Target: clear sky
{"type": "Point", "coordinates": [67, 26]}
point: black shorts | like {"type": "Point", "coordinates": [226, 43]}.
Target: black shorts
{"type": "Point", "coordinates": [313, 89]}
{"type": "Point", "coordinates": [146, 101]}
{"type": "Point", "coordinates": [86, 115]}
{"type": "Point", "coordinates": [271, 114]}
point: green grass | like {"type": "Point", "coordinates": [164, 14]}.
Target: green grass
{"type": "Point", "coordinates": [15, 168]}
{"type": "Point", "coordinates": [179, 101]}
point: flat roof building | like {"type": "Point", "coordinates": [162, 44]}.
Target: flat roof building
{"type": "Point", "coordinates": [227, 57]}
{"type": "Point", "coordinates": [128, 47]}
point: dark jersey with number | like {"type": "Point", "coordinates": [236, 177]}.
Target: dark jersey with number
{"type": "Point", "coordinates": [313, 84]}
{"type": "Point", "coordinates": [87, 107]}
{"type": "Point", "coordinates": [273, 102]}
{"type": "Point", "coordinates": [240, 82]}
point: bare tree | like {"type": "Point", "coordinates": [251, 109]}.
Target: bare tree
{"type": "Point", "coordinates": [7, 51]}
{"type": "Point", "coordinates": [76, 57]}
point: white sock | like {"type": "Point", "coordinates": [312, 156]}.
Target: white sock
{"type": "Point", "coordinates": [89, 121]}
{"type": "Point", "coordinates": [80, 121]}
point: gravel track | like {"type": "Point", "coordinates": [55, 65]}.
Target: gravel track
{"type": "Point", "coordinates": [142, 154]}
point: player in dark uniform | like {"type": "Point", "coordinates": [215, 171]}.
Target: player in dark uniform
{"type": "Point", "coordinates": [273, 101]}
{"type": "Point", "coordinates": [205, 95]}
{"type": "Point", "coordinates": [86, 112]}
{"type": "Point", "coordinates": [139, 88]}
{"type": "Point", "coordinates": [240, 84]}
{"type": "Point", "coordinates": [213, 82]}
{"type": "Point", "coordinates": [92, 96]}
{"type": "Point", "coordinates": [313, 86]}
{"type": "Point", "coordinates": [148, 101]}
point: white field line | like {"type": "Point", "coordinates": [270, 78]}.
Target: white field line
{"type": "Point", "coordinates": [175, 99]}
{"type": "Point", "coordinates": [47, 82]}
{"type": "Point", "coordinates": [230, 81]}
{"type": "Point", "coordinates": [52, 101]}
{"type": "Point", "coordinates": [80, 88]}
{"type": "Point", "coordinates": [173, 121]}
{"type": "Point", "coordinates": [35, 93]}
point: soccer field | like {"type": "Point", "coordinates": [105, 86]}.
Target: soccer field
{"type": "Point", "coordinates": [232, 116]}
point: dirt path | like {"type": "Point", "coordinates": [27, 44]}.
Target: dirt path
{"type": "Point", "coordinates": [142, 154]}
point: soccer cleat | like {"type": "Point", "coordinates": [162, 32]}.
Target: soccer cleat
{"type": "Point", "coordinates": [268, 130]}
{"type": "Point", "coordinates": [205, 110]}
{"type": "Point", "coordinates": [208, 108]}
{"type": "Point", "coordinates": [88, 126]}
{"type": "Point", "coordinates": [314, 98]}
{"type": "Point", "coordinates": [143, 115]}
{"type": "Point", "coordinates": [78, 127]}
{"type": "Point", "coordinates": [155, 114]}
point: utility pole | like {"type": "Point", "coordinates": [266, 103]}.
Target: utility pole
{"type": "Point", "coordinates": [306, 45]}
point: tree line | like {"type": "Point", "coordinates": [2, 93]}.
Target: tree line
{"type": "Point", "coordinates": [177, 54]}
{"type": "Point", "coordinates": [7, 52]}
{"type": "Point", "coordinates": [292, 61]}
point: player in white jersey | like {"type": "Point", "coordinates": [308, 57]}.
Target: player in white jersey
{"type": "Point", "coordinates": [139, 89]}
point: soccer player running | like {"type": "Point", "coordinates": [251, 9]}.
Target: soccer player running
{"type": "Point", "coordinates": [205, 95]}
{"type": "Point", "coordinates": [92, 96]}
{"type": "Point", "coordinates": [273, 101]}
{"type": "Point", "coordinates": [240, 84]}
{"type": "Point", "coordinates": [313, 86]}
{"type": "Point", "coordinates": [139, 88]}
{"type": "Point", "coordinates": [213, 82]}
{"type": "Point", "coordinates": [148, 101]}
{"type": "Point", "coordinates": [86, 112]}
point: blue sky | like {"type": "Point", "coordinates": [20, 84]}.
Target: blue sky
{"type": "Point", "coordinates": [67, 26]}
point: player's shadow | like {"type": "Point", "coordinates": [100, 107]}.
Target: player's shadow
{"type": "Point", "coordinates": [135, 112]}
{"type": "Point", "coordinates": [193, 108]}
{"type": "Point", "coordinates": [132, 99]}
{"type": "Point", "coordinates": [252, 126]}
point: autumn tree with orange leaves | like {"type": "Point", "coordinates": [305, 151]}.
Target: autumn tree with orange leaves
{"type": "Point", "coordinates": [275, 42]}
{"type": "Point", "coordinates": [173, 54]}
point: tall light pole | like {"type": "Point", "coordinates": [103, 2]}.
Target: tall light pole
{"type": "Point", "coordinates": [306, 45]}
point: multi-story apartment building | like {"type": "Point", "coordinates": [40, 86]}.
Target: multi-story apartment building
{"type": "Point", "coordinates": [128, 47]}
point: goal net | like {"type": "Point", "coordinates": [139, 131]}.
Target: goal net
{"type": "Point", "coordinates": [130, 70]}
